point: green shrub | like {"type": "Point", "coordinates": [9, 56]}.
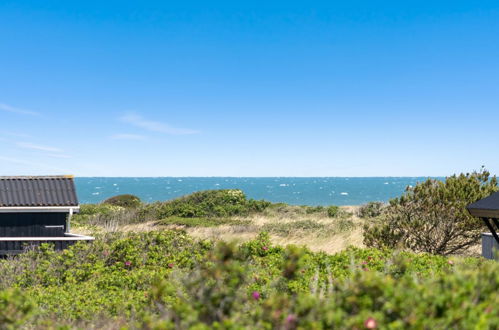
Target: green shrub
{"type": "Point", "coordinates": [314, 209]}
{"type": "Point", "coordinates": [371, 210]}
{"type": "Point", "coordinates": [210, 203]}
{"type": "Point", "coordinates": [126, 200]}
{"type": "Point", "coordinates": [333, 211]}
{"type": "Point", "coordinates": [123, 210]}
{"type": "Point", "coordinates": [432, 216]}
{"type": "Point", "coordinates": [356, 289]}
{"type": "Point", "coordinates": [166, 279]}
{"type": "Point", "coordinates": [15, 308]}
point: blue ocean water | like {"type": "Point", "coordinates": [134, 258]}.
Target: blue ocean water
{"type": "Point", "coordinates": [295, 191]}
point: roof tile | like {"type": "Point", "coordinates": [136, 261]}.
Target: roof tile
{"type": "Point", "coordinates": [37, 191]}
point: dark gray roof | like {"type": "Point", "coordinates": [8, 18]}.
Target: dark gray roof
{"type": "Point", "coordinates": [487, 207]}
{"type": "Point", "coordinates": [32, 191]}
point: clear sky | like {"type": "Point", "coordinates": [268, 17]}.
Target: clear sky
{"type": "Point", "coordinates": [249, 88]}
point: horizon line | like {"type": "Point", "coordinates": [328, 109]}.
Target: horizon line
{"type": "Point", "coordinates": [264, 177]}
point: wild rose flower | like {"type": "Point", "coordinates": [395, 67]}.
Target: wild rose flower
{"type": "Point", "coordinates": [265, 248]}
{"type": "Point", "coordinates": [256, 295]}
{"type": "Point", "coordinates": [364, 262]}
{"type": "Point", "coordinates": [371, 323]}
{"type": "Point", "coordinates": [450, 262]}
{"type": "Point", "coordinates": [128, 263]}
{"type": "Point", "coordinates": [291, 318]}
{"type": "Point", "coordinates": [170, 265]}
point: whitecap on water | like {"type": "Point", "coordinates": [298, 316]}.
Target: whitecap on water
{"type": "Point", "coordinates": [344, 193]}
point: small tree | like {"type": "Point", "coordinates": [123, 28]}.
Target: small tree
{"type": "Point", "coordinates": [432, 216]}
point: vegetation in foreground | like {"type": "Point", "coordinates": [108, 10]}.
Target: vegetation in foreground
{"type": "Point", "coordinates": [168, 280]}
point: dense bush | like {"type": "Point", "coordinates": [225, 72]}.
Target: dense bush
{"type": "Point", "coordinates": [126, 200]}
{"type": "Point", "coordinates": [166, 279]}
{"type": "Point", "coordinates": [333, 211]}
{"type": "Point", "coordinates": [201, 205]}
{"type": "Point", "coordinates": [210, 203]}
{"type": "Point", "coordinates": [432, 216]}
{"type": "Point", "coordinates": [365, 299]}
{"type": "Point", "coordinates": [15, 308]}
{"type": "Point", "coordinates": [370, 210]}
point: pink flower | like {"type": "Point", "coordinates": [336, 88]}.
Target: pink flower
{"type": "Point", "coordinates": [370, 323]}
{"type": "Point", "coordinates": [265, 248]}
{"type": "Point", "coordinates": [450, 262]}
{"type": "Point", "coordinates": [364, 262]}
{"type": "Point", "coordinates": [291, 318]}
{"type": "Point", "coordinates": [365, 269]}
{"type": "Point", "coordinates": [128, 263]}
{"type": "Point", "coordinates": [105, 253]}
{"type": "Point", "coordinates": [171, 264]}
{"type": "Point", "coordinates": [256, 295]}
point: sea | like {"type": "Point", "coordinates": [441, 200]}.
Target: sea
{"type": "Point", "coordinates": [295, 191]}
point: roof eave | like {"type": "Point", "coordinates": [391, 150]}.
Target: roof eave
{"type": "Point", "coordinates": [40, 209]}
{"type": "Point", "coordinates": [483, 213]}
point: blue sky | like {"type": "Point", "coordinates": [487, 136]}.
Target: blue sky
{"type": "Point", "coordinates": [249, 88]}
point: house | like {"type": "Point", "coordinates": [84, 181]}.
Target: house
{"type": "Point", "coordinates": [487, 209]}
{"type": "Point", "coordinates": [35, 210]}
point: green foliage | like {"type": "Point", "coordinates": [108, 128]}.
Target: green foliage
{"type": "Point", "coordinates": [210, 203]}
{"type": "Point", "coordinates": [432, 216]}
{"type": "Point", "coordinates": [122, 210]}
{"type": "Point", "coordinates": [125, 200]}
{"type": "Point", "coordinates": [371, 210]}
{"type": "Point", "coordinates": [15, 308]}
{"type": "Point", "coordinates": [298, 289]}
{"type": "Point", "coordinates": [333, 211]}
{"type": "Point", "coordinates": [166, 279]}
